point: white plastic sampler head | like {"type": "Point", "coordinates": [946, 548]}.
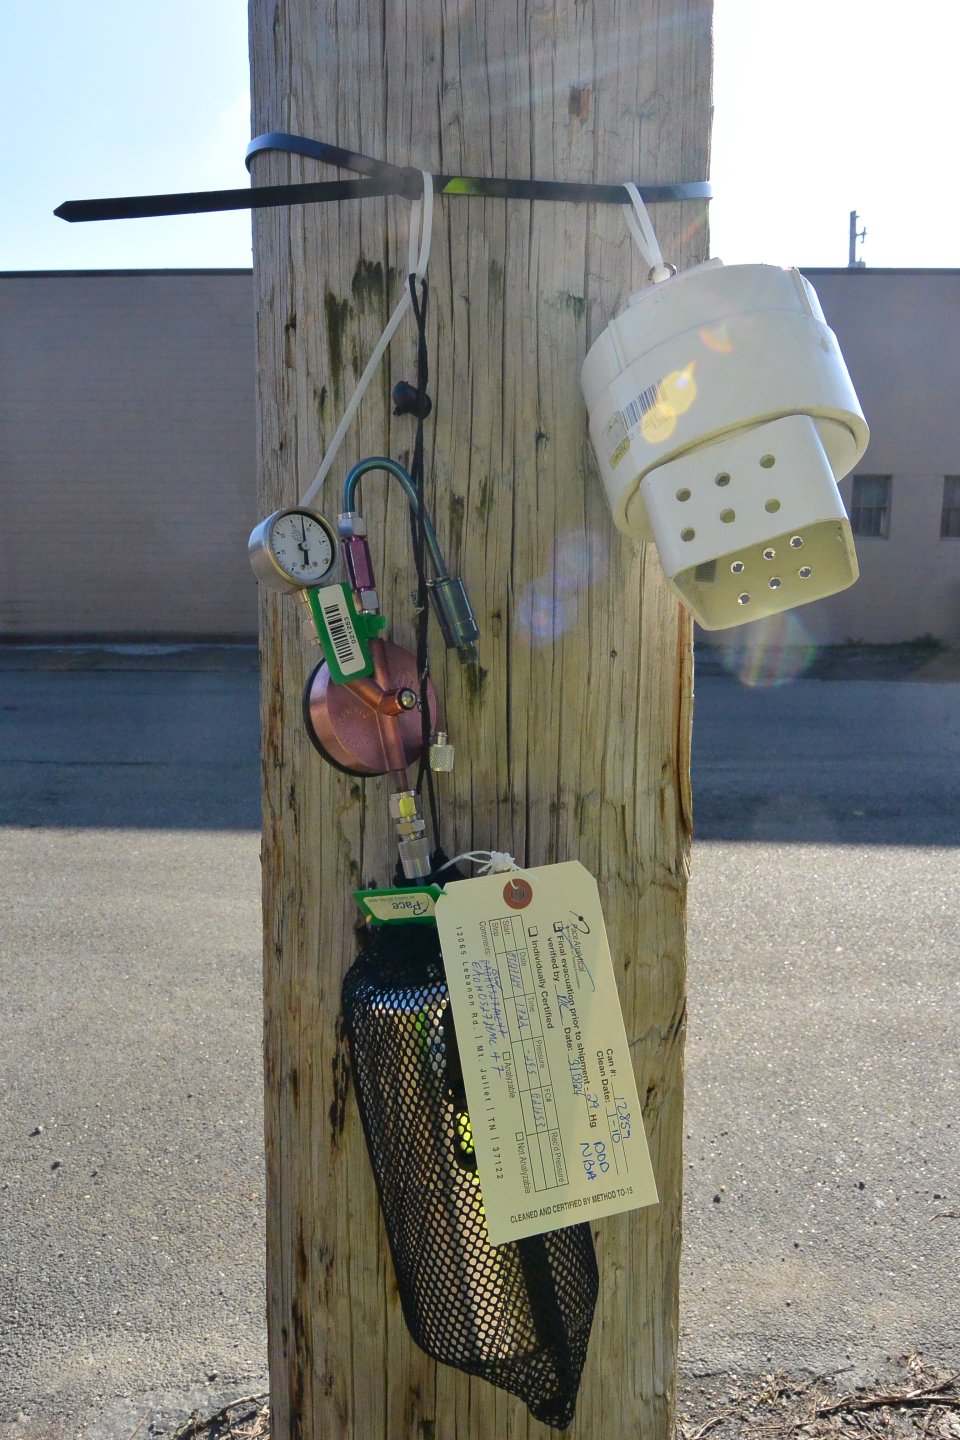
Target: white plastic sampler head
{"type": "Point", "coordinates": [722, 416]}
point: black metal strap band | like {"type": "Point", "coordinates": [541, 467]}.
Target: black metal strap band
{"type": "Point", "coordinates": [408, 179]}
{"type": "Point", "coordinates": [380, 178]}
{"type": "Point", "coordinates": [197, 202]}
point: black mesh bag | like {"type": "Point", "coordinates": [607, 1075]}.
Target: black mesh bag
{"type": "Point", "coordinates": [517, 1314]}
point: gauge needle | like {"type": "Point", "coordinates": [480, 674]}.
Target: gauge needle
{"type": "Point", "coordinates": [303, 545]}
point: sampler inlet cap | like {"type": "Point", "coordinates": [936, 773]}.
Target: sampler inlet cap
{"type": "Point", "coordinates": [722, 416]}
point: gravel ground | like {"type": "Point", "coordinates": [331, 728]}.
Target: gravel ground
{"type": "Point", "coordinates": [913, 1399]}
{"type": "Point", "coordinates": [822, 1211]}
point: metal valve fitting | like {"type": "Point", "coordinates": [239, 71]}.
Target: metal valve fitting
{"type": "Point", "coordinates": [351, 522]}
{"type": "Point", "coordinates": [441, 753]}
{"type": "Point", "coordinates": [415, 857]}
{"type": "Point", "coordinates": [458, 623]}
{"type": "Point", "coordinates": [407, 829]}
{"type": "Point", "coordinates": [412, 843]}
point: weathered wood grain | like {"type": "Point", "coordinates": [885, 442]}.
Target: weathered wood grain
{"type": "Point", "coordinates": [575, 742]}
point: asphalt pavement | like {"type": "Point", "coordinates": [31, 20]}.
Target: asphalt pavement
{"type": "Point", "coordinates": [822, 1216]}
{"type": "Point", "coordinates": [822, 1198]}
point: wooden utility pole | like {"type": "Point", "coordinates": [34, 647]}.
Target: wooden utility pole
{"type": "Point", "coordinates": [573, 743]}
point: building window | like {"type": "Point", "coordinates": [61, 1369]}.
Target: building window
{"type": "Point", "coordinates": [870, 505]}
{"type": "Point", "coordinates": [950, 518]}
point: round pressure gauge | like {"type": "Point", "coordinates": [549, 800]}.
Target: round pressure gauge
{"type": "Point", "coordinates": [293, 549]}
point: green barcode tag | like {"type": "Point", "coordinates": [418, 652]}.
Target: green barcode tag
{"type": "Point", "coordinates": [344, 632]}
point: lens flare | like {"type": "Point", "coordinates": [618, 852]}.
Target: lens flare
{"type": "Point", "coordinates": [717, 339]}
{"type": "Point", "coordinates": [770, 652]}
{"type": "Point", "coordinates": [679, 389]}
{"type": "Point", "coordinates": [675, 394]}
{"type": "Point", "coordinates": [580, 557]}
{"type": "Point", "coordinates": [550, 605]}
{"type": "Point", "coordinates": [542, 615]}
{"type": "Point", "coordinates": [658, 424]}
{"type": "Point", "coordinates": [691, 230]}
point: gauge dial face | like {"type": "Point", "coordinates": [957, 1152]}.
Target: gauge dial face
{"type": "Point", "coordinates": [301, 546]}
{"type": "Point", "coordinates": [293, 549]}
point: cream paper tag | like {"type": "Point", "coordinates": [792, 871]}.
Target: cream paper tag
{"type": "Point", "coordinates": [553, 1104]}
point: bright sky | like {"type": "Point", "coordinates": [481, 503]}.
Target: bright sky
{"type": "Point", "coordinates": [820, 108]}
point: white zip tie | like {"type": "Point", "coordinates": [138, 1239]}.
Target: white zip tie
{"type": "Point", "coordinates": [641, 228]}
{"type": "Point", "coordinates": [418, 254]}
{"type": "Point", "coordinates": [421, 233]}
{"type": "Point", "coordinates": [490, 862]}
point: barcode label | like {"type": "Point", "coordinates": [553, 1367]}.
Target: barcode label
{"type": "Point", "coordinates": [338, 623]}
{"type": "Point", "coordinates": [642, 405]}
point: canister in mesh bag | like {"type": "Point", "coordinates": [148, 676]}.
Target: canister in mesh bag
{"type": "Point", "coordinates": [517, 1314]}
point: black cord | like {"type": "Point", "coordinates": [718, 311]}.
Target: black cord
{"type": "Point", "coordinates": [417, 528]}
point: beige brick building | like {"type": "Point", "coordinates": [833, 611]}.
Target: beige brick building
{"type": "Point", "coordinates": [900, 334]}
{"type": "Point", "coordinates": [127, 454]}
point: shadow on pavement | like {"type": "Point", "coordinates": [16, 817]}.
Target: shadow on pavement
{"type": "Point", "coordinates": [148, 745]}
{"type": "Point", "coordinates": [865, 762]}
{"type": "Point", "coordinates": [155, 736]}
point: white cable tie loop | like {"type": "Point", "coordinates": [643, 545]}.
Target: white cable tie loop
{"type": "Point", "coordinates": [413, 239]}
{"type": "Point", "coordinates": [421, 229]}
{"type": "Point", "coordinates": [353, 404]}
{"type": "Point", "coordinates": [641, 228]}
{"type": "Point", "coordinates": [489, 862]}
{"type": "Point", "coordinates": [418, 254]}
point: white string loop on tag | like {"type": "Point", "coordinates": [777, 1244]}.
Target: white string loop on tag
{"type": "Point", "coordinates": [641, 228]}
{"type": "Point", "coordinates": [418, 254]}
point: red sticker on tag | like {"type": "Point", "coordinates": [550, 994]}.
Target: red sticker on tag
{"type": "Point", "coordinates": [517, 894]}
